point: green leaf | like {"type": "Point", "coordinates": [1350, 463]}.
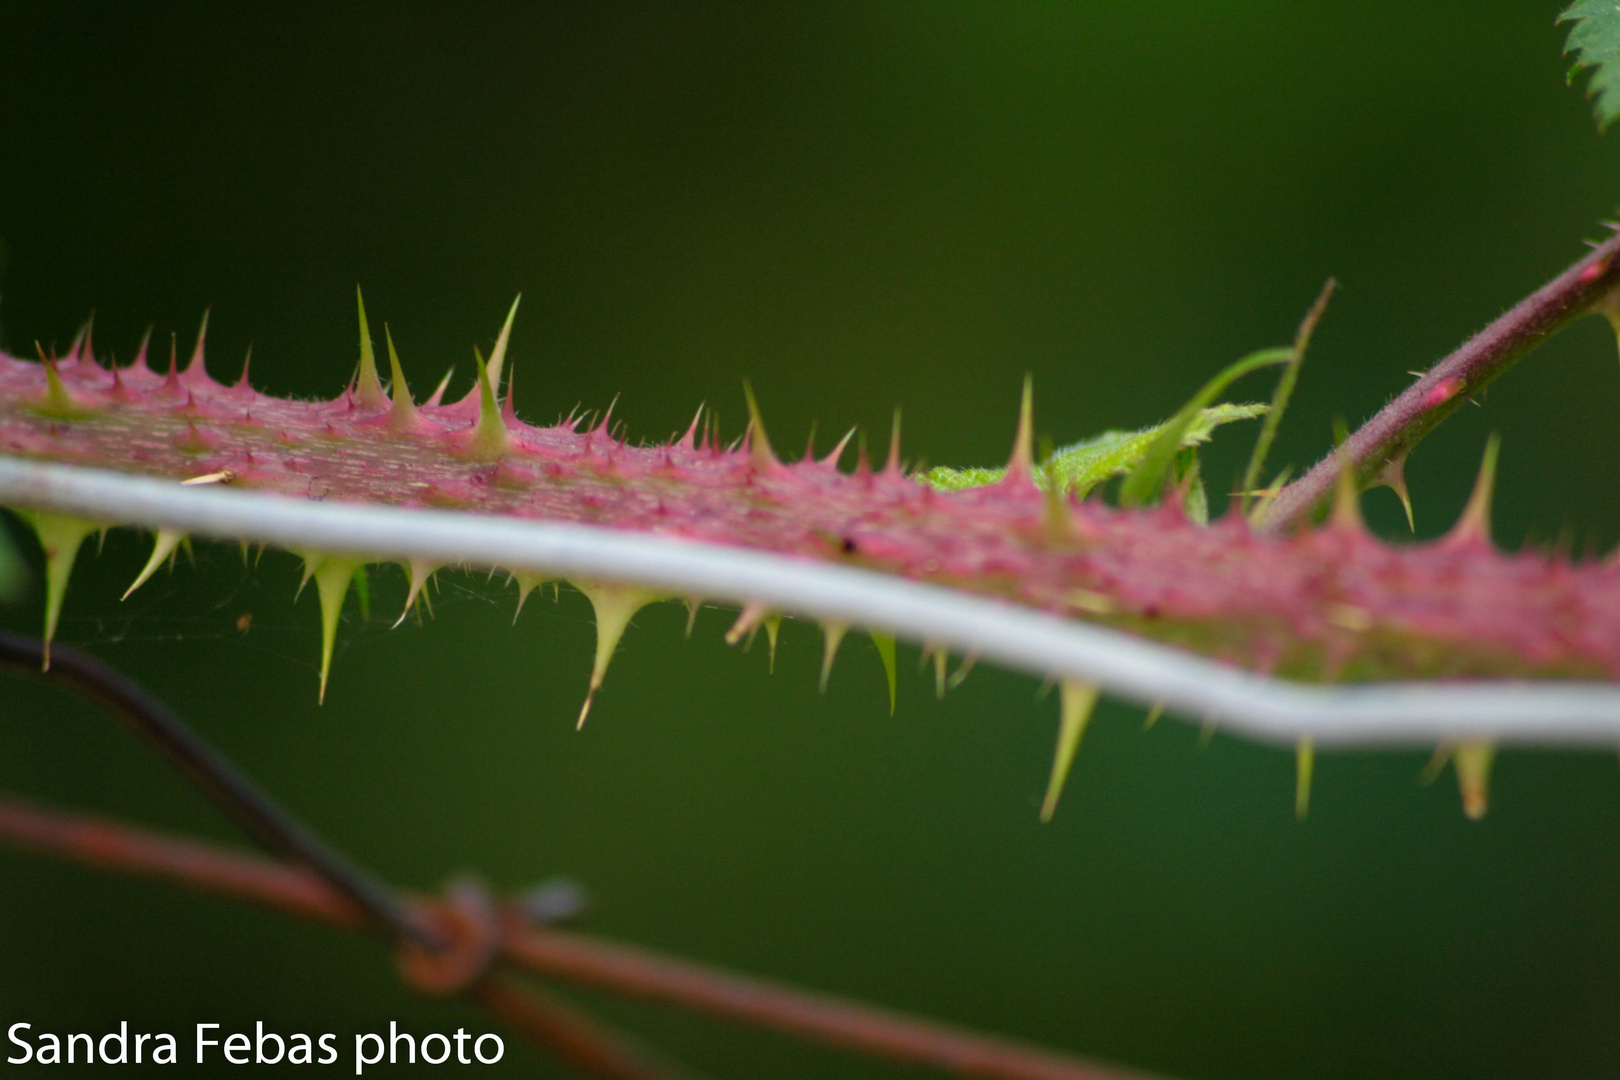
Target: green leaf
{"type": "Point", "coordinates": [1083, 465]}
{"type": "Point", "coordinates": [1143, 484]}
{"type": "Point", "coordinates": [1595, 41]}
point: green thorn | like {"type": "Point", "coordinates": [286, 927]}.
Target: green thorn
{"type": "Point", "coordinates": [368, 389]}
{"type": "Point", "coordinates": [525, 583]}
{"type": "Point", "coordinates": [759, 444]}
{"type": "Point", "coordinates": [1078, 700]}
{"type": "Point", "coordinates": [832, 635]}
{"type": "Point", "coordinates": [58, 403]}
{"type": "Point", "coordinates": [497, 357]}
{"type": "Point", "coordinates": [437, 396]}
{"type": "Point", "coordinates": [1346, 513]}
{"type": "Point", "coordinates": [163, 547]}
{"type": "Point", "coordinates": [197, 363]}
{"type": "Point", "coordinates": [962, 671]}
{"type": "Point", "coordinates": [838, 450]}
{"type": "Point", "coordinates": [614, 605]}
{"type": "Point", "coordinates": [59, 537]}
{"type": "Point", "coordinates": [489, 437]}
{"type": "Point", "coordinates": [892, 465]}
{"type": "Point", "coordinates": [1473, 759]}
{"type": "Point", "coordinates": [942, 660]}
{"type": "Point", "coordinates": [1153, 716]}
{"type": "Point", "coordinates": [1022, 463]}
{"type": "Point", "coordinates": [1304, 768]}
{"type": "Point", "coordinates": [419, 571]}
{"type": "Point", "coordinates": [402, 415]}
{"type": "Point", "coordinates": [747, 623]}
{"type": "Point", "coordinates": [1474, 526]}
{"type": "Point", "coordinates": [1436, 764]}
{"type": "Point", "coordinates": [773, 627]}
{"type": "Point", "coordinates": [1393, 476]}
{"type": "Point", "coordinates": [885, 650]}
{"type": "Point", "coordinates": [332, 576]}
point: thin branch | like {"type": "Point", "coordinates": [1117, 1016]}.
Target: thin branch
{"type": "Point", "coordinates": [837, 1021]}
{"type": "Point", "coordinates": [1412, 713]}
{"type": "Point", "coordinates": [255, 810]}
{"type": "Point", "coordinates": [565, 957]}
{"type": "Point", "coordinates": [573, 1035]}
{"type": "Point", "coordinates": [1386, 439]}
{"type": "Point", "coordinates": [109, 845]}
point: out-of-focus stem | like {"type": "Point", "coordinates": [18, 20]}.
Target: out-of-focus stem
{"type": "Point", "coordinates": [1391, 434]}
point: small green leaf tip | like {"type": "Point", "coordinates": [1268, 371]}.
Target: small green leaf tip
{"type": "Point", "coordinates": [885, 650]}
{"type": "Point", "coordinates": [615, 605]}
{"type": "Point", "coordinates": [59, 537]}
{"type": "Point", "coordinates": [332, 575]}
{"type": "Point", "coordinates": [1595, 41]}
{"type": "Point", "coordinates": [1304, 770]}
{"type": "Point", "coordinates": [1081, 466]}
{"type": "Point", "coordinates": [163, 548]}
{"type": "Point", "coordinates": [1144, 483]}
{"type": "Point", "coordinates": [368, 391]}
{"type": "Point", "coordinates": [1078, 700]}
{"type": "Point", "coordinates": [832, 636]}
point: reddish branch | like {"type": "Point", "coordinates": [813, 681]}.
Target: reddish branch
{"type": "Point", "coordinates": [565, 957]}
{"type": "Point", "coordinates": [1377, 451]}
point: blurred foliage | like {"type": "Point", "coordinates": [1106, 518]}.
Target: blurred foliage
{"type": "Point", "coordinates": [1595, 41]}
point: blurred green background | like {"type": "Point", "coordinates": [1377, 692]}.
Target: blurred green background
{"type": "Point", "coordinates": [855, 206]}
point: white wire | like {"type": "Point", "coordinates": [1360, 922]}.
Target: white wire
{"type": "Point", "coordinates": [1529, 711]}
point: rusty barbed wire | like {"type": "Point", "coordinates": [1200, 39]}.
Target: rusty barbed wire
{"type": "Point", "coordinates": [458, 944]}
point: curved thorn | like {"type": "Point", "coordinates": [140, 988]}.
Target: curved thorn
{"type": "Point", "coordinates": [832, 635]}
{"type": "Point", "coordinates": [884, 644]}
{"type": "Point", "coordinates": [1078, 699]}
{"type": "Point", "coordinates": [163, 546]}
{"type": "Point", "coordinates": [1304, 769]}
{"type": "Point", "coordinates": [368, 391]}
